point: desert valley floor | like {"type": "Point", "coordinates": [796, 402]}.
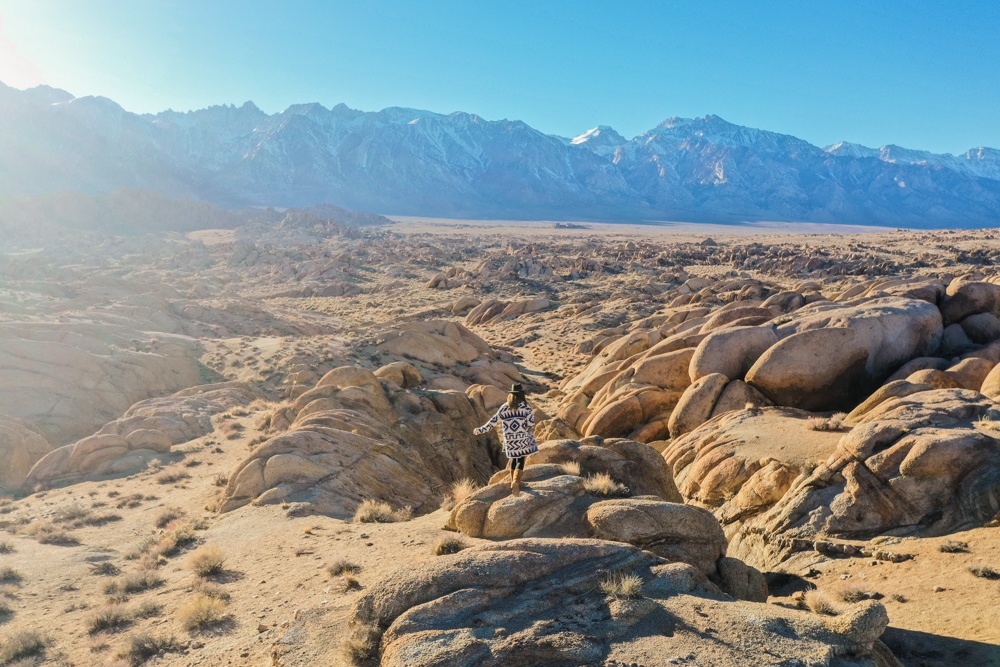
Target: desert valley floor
{"type": "Point", "coordinates": [768, 445]}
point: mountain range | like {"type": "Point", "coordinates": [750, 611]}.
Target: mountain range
{"type": "Point", "coordinates": [401, 161]}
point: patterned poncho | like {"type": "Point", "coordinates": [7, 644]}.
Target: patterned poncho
{"type": "Point", "coordinates": [518, 430]}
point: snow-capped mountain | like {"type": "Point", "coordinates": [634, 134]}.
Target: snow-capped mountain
{"type": "Point", "coordinates": [408, 161]}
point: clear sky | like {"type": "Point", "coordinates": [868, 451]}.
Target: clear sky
{"type": "Point", "coordinates": [911, 72]}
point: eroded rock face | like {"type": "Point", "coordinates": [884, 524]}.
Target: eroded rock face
{"type": "Point", "coordinates": [920, 464]}
{"type": "Point", "coordinates": [535, 602]}
{"type": "Point", "coordinates": [68, 379]}
{"type": "Point", "coordinates": [145, 432]}
{"type": "Point", "coordinates": [20, 447]}
{"type": "Point", "coordinates": [355, 437]}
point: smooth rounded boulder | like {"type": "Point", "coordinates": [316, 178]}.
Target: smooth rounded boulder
{"type": "Point", "coordinates": [819, 369]}
{"type": "Point", "coordinates": [695, 406]}
{"type": "Point", "coordinates": [731, 352]}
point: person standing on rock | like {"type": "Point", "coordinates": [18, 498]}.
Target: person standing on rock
{"type": "Point", "coordinates": [517, 423]}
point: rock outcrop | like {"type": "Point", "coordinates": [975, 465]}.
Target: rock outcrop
{"type": "Point", "coordinates": [553, 602]}
{"type": "Point", "coordinates": [356, 437]}
{"type": "Point", "coordinates": [20, 447]}
{"type": "Point", "coordinates": [145, 432]}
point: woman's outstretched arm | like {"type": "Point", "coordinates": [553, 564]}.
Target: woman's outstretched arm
{"type": "Point", "coordinates": [490, 424]}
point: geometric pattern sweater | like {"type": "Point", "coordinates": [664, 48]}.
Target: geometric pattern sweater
{"type": "Point", "coordinates": [518, 428]}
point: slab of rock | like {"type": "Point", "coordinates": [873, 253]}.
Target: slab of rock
{"type": "Point", "coordinates": [922, 464]}
{"type": "Point", "coordinates": [533, 602]}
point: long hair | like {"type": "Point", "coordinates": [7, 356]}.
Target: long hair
{"type": "Point", "coordinates": [516, 399]}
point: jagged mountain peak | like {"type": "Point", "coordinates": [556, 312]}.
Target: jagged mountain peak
{"type": "Point", "coordinates": [414, 162]}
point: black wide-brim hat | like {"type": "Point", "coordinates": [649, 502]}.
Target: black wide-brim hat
{"type": "Point", "coordinates": [516, 389]}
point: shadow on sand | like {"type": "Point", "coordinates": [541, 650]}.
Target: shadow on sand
{"type": "Point", "coordinates": [921, 649]}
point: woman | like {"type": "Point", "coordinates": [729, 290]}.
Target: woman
{"type": "Point", "coordinates": [517, 421]}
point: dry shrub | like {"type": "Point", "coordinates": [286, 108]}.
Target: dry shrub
{"type": "Point", "coordinates": [820, 603]}
{"type": "Point", "coordinates": [342, 566]}
{"type": "Point", "coordinates": [834, 422]}
{"type": "Point", "coordinates": [852, 593]}
{"type": "Point", "coordinates": [171, 477]}
{"type": "Point", "coordinates": [214, 591]}
{"type": "Point", "coordinates": [622, 585]}
{"type": "Point", "coordinates": [131, 501]}
{"type": "Point", "coordinates": [168, 516]}
{"type": "Point", "coordinates": [5, 612]}
{"type": "Point", "coordinates": [449, 545]}
{"type": "Point", "coordinates": [21, 645]}
{"type": "Point", "coordinates": [105, 569]}
{"type": "Point", "coordinates": [73, 512]}
{"type": "Point", "coordinates": [207, 561]}
{"type": "Point", "coordinates": [201, 612]}
{"type": "Point", "coordinates": [142, 647]}
{"type": "Point", "coordinates": [148, 610]}
{"type": "Point", "coordinates": [361, 645]}
{"type": "Point", "coordinates": [601, 484]}
{"type": "Point", "coordinates": [984, 572]}
{"type": "Point", "coordinates": [113, 618]}
{"type": "Point", "coordinates": [954, 547]}
{"type": "Point", "coordinates": [46, 533]}
{"type": "Point", "coordinates": [9, 575]}
{"type": "Point", "coordinates": [176, 537]}
{"type": "Point", "coordinates": [374, 511]}
{"type": "Point", "coordinates": [220, 480]}
{"type": "Point", "coordinates": [571, 468]}
{"type": "Point", "coordinates": [458, 492]}
{"type": "Point", "coordinates": [6, 548]}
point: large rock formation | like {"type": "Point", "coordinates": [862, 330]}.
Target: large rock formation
{"type": "Point", "coordinates": [69, 378]}
{"type": "Point", "coordinates": [145, 432]}
{"type": "Point", "coordinates": [355, 437]}
{"type": "Point", "coordinates": [20, 447]}
{"type": "Point", "coordinates": [534, 602]}
{"type": "Point", "coordinates": [924, 463]}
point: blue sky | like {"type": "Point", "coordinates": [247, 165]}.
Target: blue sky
{"type": "Point", "coordinates": [918, 74]}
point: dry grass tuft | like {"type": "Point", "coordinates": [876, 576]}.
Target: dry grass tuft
{"type": "Point", "coordinates": [361, 645]}
{"type": "Point", "coordinates": [114, 618]}
{"type": "Point", "coordinates": [176, 537]}
{"type": "Point", "coordinates": [342, 567]}
{"type": "Point", "coordinates": [171, 477]}
{"type": "Point", "coordinates": [622, 585]}
{"type": "Point", "coordinates": [852, 593]}
{"type": "Point", "coordinates": [462, 489]}
{"type": "Point", "coordinates": [130, 584]}
{"type": "Point", "coordinates": [820, 603]}
{"type": "Point", "coordinates": [571, 468]}
{"type": "Point", "coordinates": [374, 511]}
{"type": "Point", "coordinates": [142, 647]}
{"type": "Point", "coordinates": [954, 547]}
{"type": "Point", "coordinates": [601, 484]}
{"type": "Point", "coordinates": [984, 572]}
{"type": "Point", "coordinates": [214, 591]}
{"type": "Point", "coordinates": [208, 561]}
{"type": "Point", "coordinates": [168, 516]}
{"type": "Point", "coordinates": [45, 532]}
{"type": "Point", "coordinates": [449, 545]}
{"type": "Point", "coordinates": [834, 422]}
{"type": "Point", "coordinates": [6, 548]}
{"type": "Point", "coordinates": [201, 613]}
{"type": "Point", "coordinates": [9, 575]}
{"type": "Point", "coordinates": [105, 569]}
{"type": "Point", "coordinates": [22, 645]}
